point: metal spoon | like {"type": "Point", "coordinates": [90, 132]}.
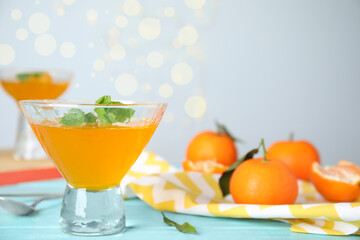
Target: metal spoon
{"type": "Point", "coordinates": [22, 209]}
{"type": "Point", "coordinates": [29, 194]}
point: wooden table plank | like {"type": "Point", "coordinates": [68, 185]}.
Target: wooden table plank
{"type": "Point", "coordinates": [8, 163]}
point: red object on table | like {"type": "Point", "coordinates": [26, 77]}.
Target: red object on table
{"type": "Point", "coordinates": [28, 175]}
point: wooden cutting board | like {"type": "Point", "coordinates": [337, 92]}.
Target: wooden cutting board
{"type": "Point", "coordinates": [15, 171]}
{"type": "Point", "coordinates": [8, 163]}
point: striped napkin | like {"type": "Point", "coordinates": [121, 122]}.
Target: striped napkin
{"type": "Point", "coordinates": [166, 188]}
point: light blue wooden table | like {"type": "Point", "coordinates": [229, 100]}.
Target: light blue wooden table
{"type": "Point", "coordinates": [143, 222]}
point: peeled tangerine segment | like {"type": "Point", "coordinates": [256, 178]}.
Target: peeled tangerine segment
{"type": "Point", "coordinates": [340, 183]}
{"type": "Point", "coordinates": [345, 171]}
{"type": "Point", "coordinates": [205, 166]}
{"type": "Point", "coordinates": [350, 165]}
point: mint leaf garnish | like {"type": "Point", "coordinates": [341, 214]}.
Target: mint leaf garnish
{"type": "Point", "coordinates": [121, 114]}
{"type": "Point", "coordinates": [76, 117]}
{"type": "Point", "coordinates": [112, 115]}
{"type": "Point", "coordinates": [104, 100]}
{"type": "Point", "coordinates": [184, 228]}
{"type": "Point", "coordinates": [23, 77]}
{"type": "Point", "coordinates": [90, 118]}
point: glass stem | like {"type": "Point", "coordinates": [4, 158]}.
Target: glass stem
{"type": "Point", "coordinates": [27, 147]}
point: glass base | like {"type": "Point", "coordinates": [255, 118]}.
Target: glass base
{"type": "Point", "coordinates": [92, 213]}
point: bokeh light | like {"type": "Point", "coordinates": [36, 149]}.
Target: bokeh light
{"type": "Point", "coordinates": [195, 106]}
{"type": "Point", "coordinates": [196, 51]}
{"type": "Point", "coordinates": [132, 7]}
{"type": "Point", "coordinates": [99, 64]}
{"type": "Point", "coordinates": [16, 14]}
{"type": "Point", "coordinates": [113, 36]}
{"type": "Point", "coordinates": [21, 34]}
{"type": "Point", "coordinates": [195, 4]}
{"type": "Point", "coordinates": [146, 88]}
{"type": "Point", "coordinates": [117, 52]}
{"type": "Point", "coordinates": [165, 90]}
{"type": "Point", "coordinates": [39, 23]}
{"type": "Point", "coordinates": [121, 21]}
{"type": "Point", "coordinates": [7, 54]}
{"type": "Point", "coordinates": [181, 73]}
{"type": "Point", "coordinates": [69, 2]}
{"type": "Point", "coordinates": [169, 12]}
{"type": "Point", "coordinates": [112, 41]}
{"type": "Point", "coordinates": [114, 32]}
{"type": "Point", "coordinates": [155, 59]}
{"type": "Point", "coordinates": [92, 16]}
{"type": "Point", "coordinates": [188, 35]}
{"type": "Point", "coordinates": [119, 44]}
{"type": "Point", "coordinates": [45, 44]}
{"type": "Point", "coordinates": [126, 84]}
{"type": "Point", "coordinates": [60, 11]}
{"type": "Point", "coordinates": [149, 28]}
{"type": "Point", "coordinates": [67, 49]}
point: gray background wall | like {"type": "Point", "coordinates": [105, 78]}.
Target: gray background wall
{"type": "Point", "coordinates": [269, 67]}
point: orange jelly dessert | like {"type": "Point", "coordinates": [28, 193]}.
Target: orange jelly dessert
{"type": "Point", "coordinates": [34, 86]}
{"type": "Point", "coordinates": [93, 144]}
{"type": "Point", "coordinates": [94, 157]}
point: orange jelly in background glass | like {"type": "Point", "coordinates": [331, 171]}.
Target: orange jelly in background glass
{"type": "Point", "coordinates": [38, 85]}
{"type": "Point", "coordinates": [94, 158]}
{"type": "Point", "coordinates": [30, 84]}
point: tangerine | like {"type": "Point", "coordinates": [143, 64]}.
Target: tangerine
{"type": "Point", "coordinates": [298, 155]}
{"type": "Point", "coordinates": [210, 152]}
{"type": "Point", "coordinates": [263, 181]}
{"type": "Point", "coordinates": [340, 183]}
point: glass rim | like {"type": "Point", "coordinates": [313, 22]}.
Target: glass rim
{"type": "Point", "coordinates": [59, 75]}
{"type": "Point", "coordinates": [88, 102]}
{"type": "Point", "coordinates": [35, 69]}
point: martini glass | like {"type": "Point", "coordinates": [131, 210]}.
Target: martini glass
{"type": "Point", "coordinates": [92, 156]}
{"type": "Point", "coordinates": [24, 84]}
